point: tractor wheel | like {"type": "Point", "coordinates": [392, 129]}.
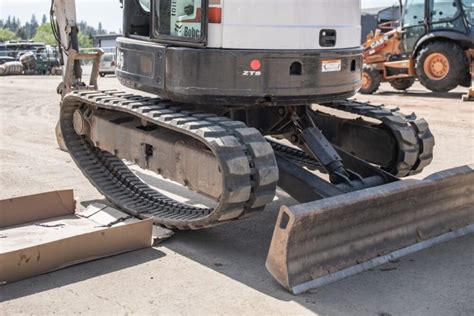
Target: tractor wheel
{"type": "Point", "coordinates": [441, 66]}
{"type": "Point", "coordinates": [371, 79]}
{"type": "Point", "coordinates": [466, 82]}
{"type": "Point", "coordinates": [402, 84]}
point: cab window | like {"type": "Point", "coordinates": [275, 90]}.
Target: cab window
{"type": "Point", "coordinates": [468, 6]}
{"type": "Point", "coordinates": [108, 57]}
{"type": "Point", "coordinates": [414, 13]}
{"type": "Point", "coordinates": [181, 19]}
{"type": "Point", "coordinates": [444, 10]}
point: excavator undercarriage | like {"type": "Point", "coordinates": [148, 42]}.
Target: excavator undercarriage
{"type": "Point", "coordinates": [231, 163]}
{"type": "Point", "coordinates": [357, 213]}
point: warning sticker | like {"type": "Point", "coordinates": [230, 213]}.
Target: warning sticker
{"type": "Point", "coordinates": [331, 65]}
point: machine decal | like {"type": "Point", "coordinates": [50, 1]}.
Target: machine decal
{"type": "Point", "coordinates": [186, 18]}
{"type": "Point", "coordinates": [331, 65]}
{"type": "Point", "coordinates": [255, 66]}
{"type": "Point", "coordinates": [251, 73]}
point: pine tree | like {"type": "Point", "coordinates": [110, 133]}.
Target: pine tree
{"type": "Point", "coordinates": [15, 24]}
{"type": "Point", "coordinates": [44, 19]}
{"type": "Point", "coordinates": [27, 30]}
{"type": "Point", "coordinates": [99, 29]}
{"type": "Point", "coordinates": [34, 21]}
{"type": "Point", "coordinates": [31, 30]}
{"type": "Point", "coordinates": [8, 24]}
{"type": "Point", "coordinates": [22, 33]}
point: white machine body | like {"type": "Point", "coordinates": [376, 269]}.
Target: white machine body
{"type": "Point", "coordinates": [284, 24]}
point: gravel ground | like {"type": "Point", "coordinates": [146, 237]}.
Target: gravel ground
{"type": "Point", "coordinates": [221, 270]}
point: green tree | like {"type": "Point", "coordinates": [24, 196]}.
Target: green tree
{"type": "Point", "coordinates": [6, 35]}
{"type": "Point", "coordinates": [22, 32]}
{"type": "Point", "coordinates": [8, 23]}
{"type": "Point", "coordinates": [44, 34]}
{"type": "Point", "coordinates": [15, 24]}
{"type": "Point", "coordinates": [44, 19]}
{"type": "Point", "coordinates": [85, 41]}
{"type": "Point", "coordinates": [100, 29]}
{"type": "Point", "coordinates": [33, 26]}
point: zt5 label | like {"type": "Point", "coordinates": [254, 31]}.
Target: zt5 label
{"type": "Point", "coordinates": [251, 73]}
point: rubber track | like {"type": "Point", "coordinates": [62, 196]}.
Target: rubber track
{"type": "Point", "coordinates": [246, 160]}
{"type": "Point", "coordinates": [296, 155]}
{"type": "Point", "coordinates": [414, 139]}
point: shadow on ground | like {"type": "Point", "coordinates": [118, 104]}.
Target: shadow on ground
{"type": "Point", "coordinates": [422, 94]}
{"type": "Point", "coordinates": [77, 273]}
{"type": "Point", "coordinates": [238, 251]}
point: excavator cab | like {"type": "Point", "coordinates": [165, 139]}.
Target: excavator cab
{"type": "Point", "coordinates": [248, 98]}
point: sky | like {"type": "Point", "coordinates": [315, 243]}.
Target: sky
{"type": "Point", "coordinates": [94, 11]}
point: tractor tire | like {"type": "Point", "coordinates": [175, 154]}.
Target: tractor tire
{"type": "Point", "coordinates": [402, 84]}
{"type": "Point", "coordinates": [371, 80]}
{"type": "Point", "coordinates": [441, 66]}
{"type": "Point", "coordinates": [466, 82]}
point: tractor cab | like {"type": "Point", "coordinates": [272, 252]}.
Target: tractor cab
{"type": "Point", "coordinates": [445, 18]}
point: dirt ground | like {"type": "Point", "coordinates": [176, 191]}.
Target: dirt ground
{"type": "Point", "coordinates": [221, 270]}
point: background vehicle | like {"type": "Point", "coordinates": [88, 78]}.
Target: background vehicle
{"type": "Point", "coordinates": [35, 58]}
{"type": "Point", "coordinates": [227, 93]}
{"type": "Point", "coordinates": [41, 61]}
{"type": "Point", "coordinates": [107, 64]}
{"type": "Point", "coordinates": [385, 19]}
{"type": "Point", "coordinates": [4, 59]}
{"type": "Point", "coordinates": [16, 48]}
{"type": "Point", "coordinates": [433, 45]}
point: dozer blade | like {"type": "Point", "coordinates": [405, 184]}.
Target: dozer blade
{"type": "Point", "coordinates": [327, 240]}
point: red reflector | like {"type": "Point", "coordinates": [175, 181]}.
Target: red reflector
{"type": "Point", "coordinates": [255, 64]}
{"type": "Point", "coordinates": [214, 15]}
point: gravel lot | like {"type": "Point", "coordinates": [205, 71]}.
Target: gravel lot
{"type": "Point", "coordinates": [221, 270]}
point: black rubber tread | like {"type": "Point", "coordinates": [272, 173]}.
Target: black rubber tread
{"type": "Point", "coordinates": [375, 80]}
{"type": "Point", "coordinates": [426, 144]}
{"type": "Point", "coordinates": [467, 81]}
{"type": "Point", "coordinates": [296, 155]}
{"type": "Point", "coordinates": [248, 166]}
{"type": "Point", "coordinates": [412, 135]}
{"type": "Point", "coordinates": [458, 64]}
{"type": "Point", "coordinates": [402, 84]}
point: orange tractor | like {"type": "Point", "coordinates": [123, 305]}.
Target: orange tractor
{"type": "Point", "coordinates": [433, 44]}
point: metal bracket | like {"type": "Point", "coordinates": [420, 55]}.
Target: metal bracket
{"type": "Point", "coordinates": [70, 82]}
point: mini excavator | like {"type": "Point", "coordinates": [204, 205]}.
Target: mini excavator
{"type": "Point", "coordinates": [243, 100]}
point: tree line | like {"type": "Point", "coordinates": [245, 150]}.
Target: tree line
{"type": "Point", "coordinates": [12, 29]}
